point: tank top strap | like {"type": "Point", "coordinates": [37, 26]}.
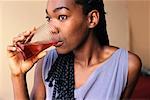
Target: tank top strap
{"type": "Point", "coordinates": [49, 59]}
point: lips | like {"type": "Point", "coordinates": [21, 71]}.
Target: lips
{"type": "Point", "coordinates": [60, 43]}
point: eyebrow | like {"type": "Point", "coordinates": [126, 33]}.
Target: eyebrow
{"type": "Point", "coordinates": [60, 8]}
{"type": "Point", "coordinates": [57, 9]}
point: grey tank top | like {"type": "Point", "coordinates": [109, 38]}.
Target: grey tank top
{"type": "Point", "coordinates": [105, 83]}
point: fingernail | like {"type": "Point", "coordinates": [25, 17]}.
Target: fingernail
{"type": "Point", "coordinates": [28, 31]}
{"type": "Point", "coordinates": [34, 28]}
{"type": "Point", "coordinates": [14, 48]}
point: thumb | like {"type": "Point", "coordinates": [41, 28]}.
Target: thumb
{"type": "Point", "coordinates": [39, 56]}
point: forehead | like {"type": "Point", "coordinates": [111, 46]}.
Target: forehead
{"type": "Point", "coordinates": [53, 4]}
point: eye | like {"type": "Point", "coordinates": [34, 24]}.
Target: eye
{"type": "Point", "coordinates": [48, 18]}
{"type": "Point", "coordinates": [62, 17]}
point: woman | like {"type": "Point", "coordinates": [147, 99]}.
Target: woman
{"type": "Point", "coordinates": [83, 65]}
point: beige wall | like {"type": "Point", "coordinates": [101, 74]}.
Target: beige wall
{"type": "Point", "coordinates": [149, 33]}
{"type": "Point", "coordinates": [17, 16]}
{"type": "Point", "coordinates": [1, 74]}
{"type": "Point", "coordinates": [117, 23]}
{"type": "Point", "coordinates": [139, 18]}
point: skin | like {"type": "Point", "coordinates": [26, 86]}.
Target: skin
{"type": "Point", "coordinates": [76, 35]}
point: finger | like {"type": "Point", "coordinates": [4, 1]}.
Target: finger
{"type": "Point", "coordinates": [20, 39]}
{"type": "Point", "coordinates": [33, 29]}
{"type": "Point", "coordinates": [29, 34]}
{"type": "Point", "coordinates": [28, 39]}
{"type": "Point", "coordinates": [26, 33]}
{"type": "Point", "coordinates": [41, 55]}
{"type": "Point", "coordinates": [23, 38]}
{"type": "Point", "coordinates": [12, 51]}
{"type": "Point", "coordinates": [11, 48]}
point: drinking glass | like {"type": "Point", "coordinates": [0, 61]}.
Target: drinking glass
{"type": "Point", "coordinates": [38, 41]}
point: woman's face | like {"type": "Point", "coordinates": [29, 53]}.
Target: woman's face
{"type": "Point", "coordinates": [69, 23]}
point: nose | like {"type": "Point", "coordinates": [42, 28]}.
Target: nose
{"type": "Point", "coordinates": [53, 29]}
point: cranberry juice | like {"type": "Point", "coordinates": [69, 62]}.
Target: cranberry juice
{"type": "Point", "coordinates": [32, 49]}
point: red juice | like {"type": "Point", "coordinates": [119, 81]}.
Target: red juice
{"type": "Point", "coordinates": [32, 49]}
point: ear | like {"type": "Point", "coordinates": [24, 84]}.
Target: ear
{"type": "Point", "coordinates": [93, 18]}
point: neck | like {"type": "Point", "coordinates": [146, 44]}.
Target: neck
{"type": "Point", "coordinates": [90, 53]}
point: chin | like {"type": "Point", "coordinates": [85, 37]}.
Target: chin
{"type": "Point", "coordinates": [62, 51]}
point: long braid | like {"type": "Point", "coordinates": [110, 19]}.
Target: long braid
{"type": "Point", "coordinates": [62, 72]}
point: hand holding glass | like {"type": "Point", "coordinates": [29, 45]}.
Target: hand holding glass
{"type": "Point", "coordinates": [39, 41]}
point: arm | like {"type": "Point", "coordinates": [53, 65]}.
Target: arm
{"type": "Point", "coordinates": [20, 87]}
{"type": "Point", "coordinates": [134, 68]}
{"type": "Point", "coordinates": [38, 91]}
{"type": "Point", "coordinates": [19, 67]}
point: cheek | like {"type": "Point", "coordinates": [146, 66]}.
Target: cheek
{"type": "Point", "coordinates": [72, 32]}
{"type": "Point", "coordinates": [75, 29]}
{"type": "Point", "coordinates": [72, 39]}
{"type": "Point", "coordinates": [75, 35]}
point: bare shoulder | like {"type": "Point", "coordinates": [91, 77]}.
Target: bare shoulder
{"type": "Point", "coordinates": [134, 60]}
{"type": "Point", "coordinates": [134, 68]}
{"type": "Point", "coordinates": [134, 63]}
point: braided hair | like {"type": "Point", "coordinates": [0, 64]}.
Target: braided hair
{"type": "Point", "coordinates": [62, 71]}
{"type": "Point", "coordinates": [100, 30]}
